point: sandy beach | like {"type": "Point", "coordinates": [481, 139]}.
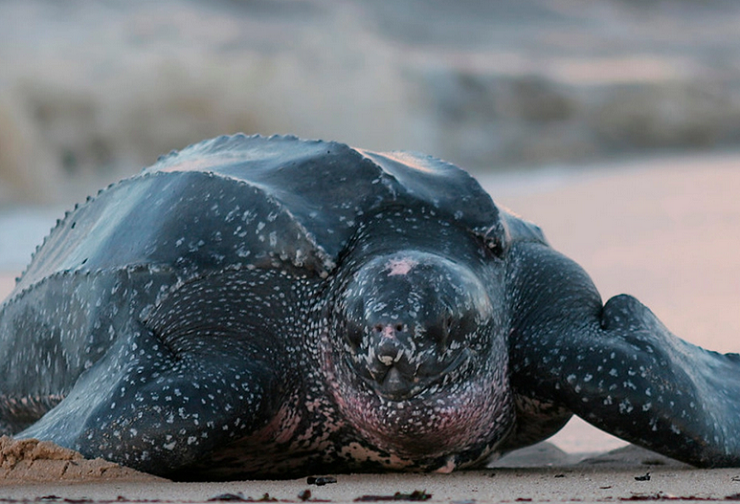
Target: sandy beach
{"type": "Point", "coordinates": [635, 475]}
{"type": "Point", "coordinates": [665, 230]}
{"type": "Point", "coordinates": [92, 91]}
{"type": "Point", "coordinates": [500, 485]}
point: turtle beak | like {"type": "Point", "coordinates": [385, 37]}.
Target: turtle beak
{"type": "Point", "coordinates": [391, 372]}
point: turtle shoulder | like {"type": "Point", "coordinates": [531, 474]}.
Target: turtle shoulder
{"type": "Point", "coordinates": [518, 229]}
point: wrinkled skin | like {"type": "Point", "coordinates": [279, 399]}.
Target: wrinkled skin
{"type": "Point", "coordinates": [255, 307]}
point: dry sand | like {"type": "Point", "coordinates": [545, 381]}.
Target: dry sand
{"type": "Point", "coordinates": [502, 485]}
{"type": "Point", "coordinates": [665, 231]}
{"type": "Point", "coordinates": [33, 461]}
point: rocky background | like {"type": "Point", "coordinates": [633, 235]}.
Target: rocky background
{"type": "Point", "coordinates": [92, 91]}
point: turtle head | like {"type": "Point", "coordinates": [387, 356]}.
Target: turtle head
{"type": "Point", "coordinates": [417, 357]}
{"type": "Point", "coordinates": [410, 323]}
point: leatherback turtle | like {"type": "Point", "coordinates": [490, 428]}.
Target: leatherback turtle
{"type": "Point", "coordinates": [274, 307]}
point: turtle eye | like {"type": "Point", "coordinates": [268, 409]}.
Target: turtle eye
{"type": "Point", "coordinates": [440, 332]}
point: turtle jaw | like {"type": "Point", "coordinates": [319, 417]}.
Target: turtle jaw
{"type": "Point", "coordinates": [466, 407]}
{"type": "Point", "coordinates": [459, 401]}
{"type": "Point", "coordinates": [394, 385]}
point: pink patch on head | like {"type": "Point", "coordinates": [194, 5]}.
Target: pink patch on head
{"type": "Point", "coordinates": [400, 266]}
{"type": "Point", "coordinates": [388, 332]}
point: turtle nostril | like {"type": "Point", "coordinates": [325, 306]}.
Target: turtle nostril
{"type": "Point", "coordinates": [399, 327]}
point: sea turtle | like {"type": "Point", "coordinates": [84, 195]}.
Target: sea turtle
{"type": "Point", "coordinates": [274, 307]}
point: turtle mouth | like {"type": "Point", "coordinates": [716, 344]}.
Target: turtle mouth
{"type": "Point", "coordinates": [398, 384]}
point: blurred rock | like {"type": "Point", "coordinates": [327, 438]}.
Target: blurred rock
{"type": "Point", "coordinates": [24, 169]}
{"type": "Point", "coordinates": [679, 115]}
{"type": "Point", "coordinates": [488, 120]}
{"type": "Point", "coordinates": [91, 92]}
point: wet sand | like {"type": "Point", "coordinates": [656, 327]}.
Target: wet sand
{"type": "Point", "coordinates": [665, 231]}
{"type": "Point", "coordinates": [7, 280]}
{"type": "Point", "coordinates": [501, 485]}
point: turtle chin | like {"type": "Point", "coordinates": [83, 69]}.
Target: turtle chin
{"type": "Point", "coordinates": [463, 409]}
{"type": "Point", "coordinates": [445, 408]}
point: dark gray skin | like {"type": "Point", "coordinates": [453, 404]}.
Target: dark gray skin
{"type": "Point", "coordinates": [255, 307]}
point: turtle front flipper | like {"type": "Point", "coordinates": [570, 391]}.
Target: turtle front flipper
{"type": "Point", "coordinates": [201, 370]}
{"type": "Point", "coordinates": [160, 411]}
{"type": "Point", "coordinates": [659, 391]}
{"type": "Point", "coordinates": [618, 367]}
